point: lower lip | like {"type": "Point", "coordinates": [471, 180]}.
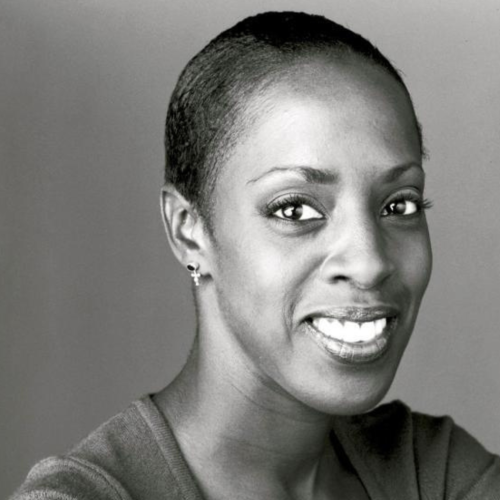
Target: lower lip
{"type": "Point", "coordinates": [355, 352]}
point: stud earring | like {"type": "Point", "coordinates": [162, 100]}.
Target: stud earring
{"type": "Point", "coordinates": [193, 267]}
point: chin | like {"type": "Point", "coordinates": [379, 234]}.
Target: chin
{"type": "Point", "coordinates": [346, 405]}
{"type": "Point", "coordinates": [348, 391]}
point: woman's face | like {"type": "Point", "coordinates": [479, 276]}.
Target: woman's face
{"type": "Point", "coordinates": [322, 251]}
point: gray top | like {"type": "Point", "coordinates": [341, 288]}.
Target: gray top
{"type": "Point", "coordinates": [397, 454]}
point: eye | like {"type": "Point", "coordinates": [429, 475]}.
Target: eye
{"type": "Point", "coordinates": [405, 204]}
{"type": "Point", "coordinates": [401, 207]}
{"type": "Point", "coordinates": [297, 211]}
{"type": "Point", "coordinates": [294, 208]}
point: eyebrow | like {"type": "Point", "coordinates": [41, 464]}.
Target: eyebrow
{"type": "Point", "coordinates": [323, 176]}
{"type": "Point", "coordinates": [310, 174]}
{"type": "Point", "coordinates": [399, 170]}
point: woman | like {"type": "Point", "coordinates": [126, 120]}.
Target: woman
{"type": "Point", "coordinates": [294, 196]}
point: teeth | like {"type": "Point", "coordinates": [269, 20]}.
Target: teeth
{"type": "Point", "coordinates": [350, 331]}
{"type": "Point", "coordinates": [368, 331]}
{"type": "Point", "coordinates": [380, 325]}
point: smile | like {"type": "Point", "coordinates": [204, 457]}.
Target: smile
{"type": "Point", "coordinates": [361, 336]}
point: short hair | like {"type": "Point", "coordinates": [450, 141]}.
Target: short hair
{"type": "Point", "coordinates": [207, 109]}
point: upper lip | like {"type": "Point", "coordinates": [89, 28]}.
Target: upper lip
{"type": "Point", "coordinates": [355, 313]}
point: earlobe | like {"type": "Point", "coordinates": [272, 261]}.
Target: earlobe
{"type": "Point", "coordinates": [183, 226]}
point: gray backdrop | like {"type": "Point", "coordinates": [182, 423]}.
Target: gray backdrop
{"type": "Point", "coordinates": [94, 311]}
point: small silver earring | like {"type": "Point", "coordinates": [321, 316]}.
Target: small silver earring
{"type": "Point", "coordinates": [193, 267]}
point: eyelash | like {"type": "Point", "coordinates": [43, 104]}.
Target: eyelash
{"type": "Point", "coordinates": [298, 199]}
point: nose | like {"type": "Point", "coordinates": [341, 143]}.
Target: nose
{"type": "Point", "coordinates": [358, 254]}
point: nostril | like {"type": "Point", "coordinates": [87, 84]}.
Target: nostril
{"type": "Point", "coordinates": [340, 278]}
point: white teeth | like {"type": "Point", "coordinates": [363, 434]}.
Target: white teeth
{"type": "Point", "coordinates": [367, 331]}
{"type": "Point", "coordinates": [380, 325]}
{"type": "Point", "coordinates": [350, 331]}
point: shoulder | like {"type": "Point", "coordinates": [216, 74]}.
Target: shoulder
{"type": "Point", "coordinates": [432, 437]}
{"type": "Point", "coordinates": [445, 450]}
{"type": "Point", "coordinates": [435, 453]}
{"type": "Point", "coordinates": [68, 478]}
{"type": "Point", "coordinates": [126, 457]}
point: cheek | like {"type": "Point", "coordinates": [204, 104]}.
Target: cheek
{"type": "Point", "coordinates": [414, 262]}
{"type": "Point", "coordinates": [258, 270]}
{"type": "Point", "coordinates": [248, 270]}
{"type": "Point", "coordinates": [255, 293]}
{"type": "Point", "coordinates": [259, 275]}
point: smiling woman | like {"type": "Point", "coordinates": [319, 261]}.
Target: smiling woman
{"type": "Point", "coordinates": [295, 197]}
{"type": "Point", "coordinates": [279, 278]}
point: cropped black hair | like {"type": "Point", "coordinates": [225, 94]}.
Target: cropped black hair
{"type": "Point", "coordinates": [207, 109]}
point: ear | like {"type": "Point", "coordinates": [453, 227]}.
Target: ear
{"type": "Point", "coordinates": [185, 229]}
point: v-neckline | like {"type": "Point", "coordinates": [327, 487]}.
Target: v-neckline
{"type": "Point", "coordinates": [377, 474]}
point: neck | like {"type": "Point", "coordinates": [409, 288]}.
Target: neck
{"type": "Point", "coordinates": [223, 411]}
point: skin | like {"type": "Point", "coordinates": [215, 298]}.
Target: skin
{"type": "Point", "coordinates": [256, 396]}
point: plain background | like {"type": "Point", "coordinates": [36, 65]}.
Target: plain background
{"type": "Point", "coordinates": [95, 312]}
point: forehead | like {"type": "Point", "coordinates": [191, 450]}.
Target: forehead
{"type": "Point", "coordinates": [339, 113]}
